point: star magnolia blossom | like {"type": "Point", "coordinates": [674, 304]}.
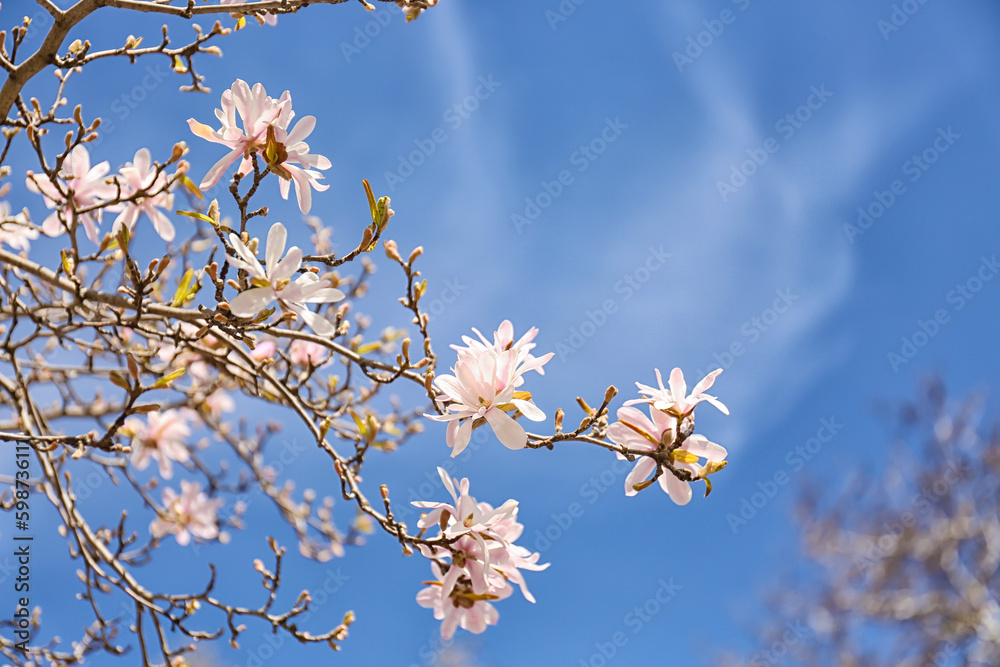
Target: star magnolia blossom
{"type": "Point", "coordinates": [275, 282]}
{"type": "Point", "coordinates": [657, 432]}
{"type": "Point", "coordinates": [280, 150]}
{"type": "Point", "coordinates": [14, 230]}
{"type": "Point", "coordinates": [461, 607]}
{"type": "Point", "coordinates": [88, 186]}
{"type": "Point", "coordinates": [306, 353]}
{"type": "Point", "coordinates": [137, 176]}
{"type": "Point", "coordinates": [674, 399]}
{"type": "Point", "coordinates": [187, 514]}
{"type": "Point", "coordinates": [483, 388]}
{"type": "Point", "coordinates": [161, 438]}
{"type": "Point", "coordinates": [484, 559]}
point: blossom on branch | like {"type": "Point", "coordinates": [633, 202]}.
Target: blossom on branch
{"type": "Point", "coordinates": [275, 282]}
{"type": "Point", "coordinates": [161, 437]}
{"type": "Point", "coordinates": [483, 388]}
{"type": "Point", "coordinates": [673, 400]}
{"type": "Point", "coordinates": [187, 514]}
{"type": "Point", "coordinates": [267, 18]}
{"type": "Point", "coordinates": [14, 229]}
{"type": "Point", "coordinates": [266, 133]}
{"type": "Point", "coordinates": [484, 561]}
{"type": "Point", "coordinates": [88, 189]}
{"type": "Point", "coordinates": [657, 434]}
{"type": "Point", "coordinates": [141, 176]}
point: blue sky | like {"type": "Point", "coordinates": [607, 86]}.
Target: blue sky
{"type": "Point", "coordinates": [805, 113]}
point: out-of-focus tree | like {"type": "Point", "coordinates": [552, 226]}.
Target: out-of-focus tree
{"type": "Point", "coordinates": [903, 564]}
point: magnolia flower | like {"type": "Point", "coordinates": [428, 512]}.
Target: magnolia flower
{"type": "Point", "coordinates": [14, 229]}
{"type": "Point", "coordinates": [187, 514]}
{"type": "Point", "coordinates": [657, 433]}
{"type": "Point", "coordinates": [139, 176]}
{"type": "Point", "coordinates": [674, 399]}
{"type": "Point", "coordinates": [461, 607]}
{"type": "Point", "coordinates": [161, 438]}
{"type": "Point", "coordinates": [88, 186]}
{"type": "Point", "coordinates": [485, 562]}
{"type": "Point", "coordinates": [275, 282]}
{"type": "Point", "coordinates": [306, 353]}
{"type": "Point", "coordinates": [503, 340]}
{"type": "Point", "coordinates": [263, 351]}
{"type": "Point", "coordinates": [217, 402]}
{"type": "Point", "coordinates": [464, 516]}
{"type": "Point", "coordinates": [265, 132]}
{"type": "Point", "coordinates": [483, 388]}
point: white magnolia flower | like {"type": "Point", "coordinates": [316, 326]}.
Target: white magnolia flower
{"type": "Point", "coordinates": [275, 282]}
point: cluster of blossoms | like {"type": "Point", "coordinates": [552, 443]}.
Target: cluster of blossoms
{"type": "Point", "coordinates": [673, 451]}
{"type": "Point", "coordinates": [484, 386]}
{"type": "Point", "coordinates": [267, 133]}
{"type": "Point", "coordinates": [189, 513]}
{"type": "Point", "coordinates": [84, 192]}
{"type": "Point", "coordinates": [14, 229]}
{"type": "Point", "coordinates": [275, 282]}
{"type": "Point", "coordinates": [482, 564]}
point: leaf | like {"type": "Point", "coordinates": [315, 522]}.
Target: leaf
{"type": "Point", "coordinates": [371, 200]}
{"type": "Point", "coordinates": [180, 296]}
{"type": "Point", "coordinates": [133, 368]}
{"type": "Point", "coordinates": [119, 380]}
{"type": "Point", "coordinates": [167, 379]}
{"type": "Point", "coordinates": [199, 216]}
{"type": "Point", "coordinates": [189, 184]}
{"type": "Point", "coordinates": [360, 424]}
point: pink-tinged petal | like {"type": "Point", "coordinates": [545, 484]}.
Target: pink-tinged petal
{"type": "Point", "coordinates": [161, 223]}
{"type": "Point", "coordinates": [508, 431]}
{"type": "Point", "coordinates": [203, 131]}
{"type": "Point", "coordinates": [325, 295]}
{"type": "Point", "coordinates": [315, 321]}
{"type": "Point", "coordinates": [302, 129]}
{"type": "Point", "coordinates": [678, 388]}
{"type": "Point", "coordinates": [679, 492]}
{"type": "Point", "coordinates": [276, 238]}
{"type": "Point", "coordinates": [462, 437]}
{"type": "Point", "coordinates": [644, 467]}
{"type": "Point", "coordinates": [450, 624]}
{"type": "Point", "coordinates": [699, 445]}
{"type": "Point", "coordinates": [53, 226]}
{"type": "Point", "coordinates": [303, 193]}
{"type": "Point", "coordinates": [216, 172]}
{"type": "Point", "coordinates": [714, 401]}
{"type": "Point", "coordinates": [250, 302]}
{"type": "Point", "coordinates": [706, 382]}
{"type": "Point", "coordinates": [529, 410]}
{"type": "Point", "coordinates": [248, 261]}
{"type": "Point", "coordinates": [286, 267]}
